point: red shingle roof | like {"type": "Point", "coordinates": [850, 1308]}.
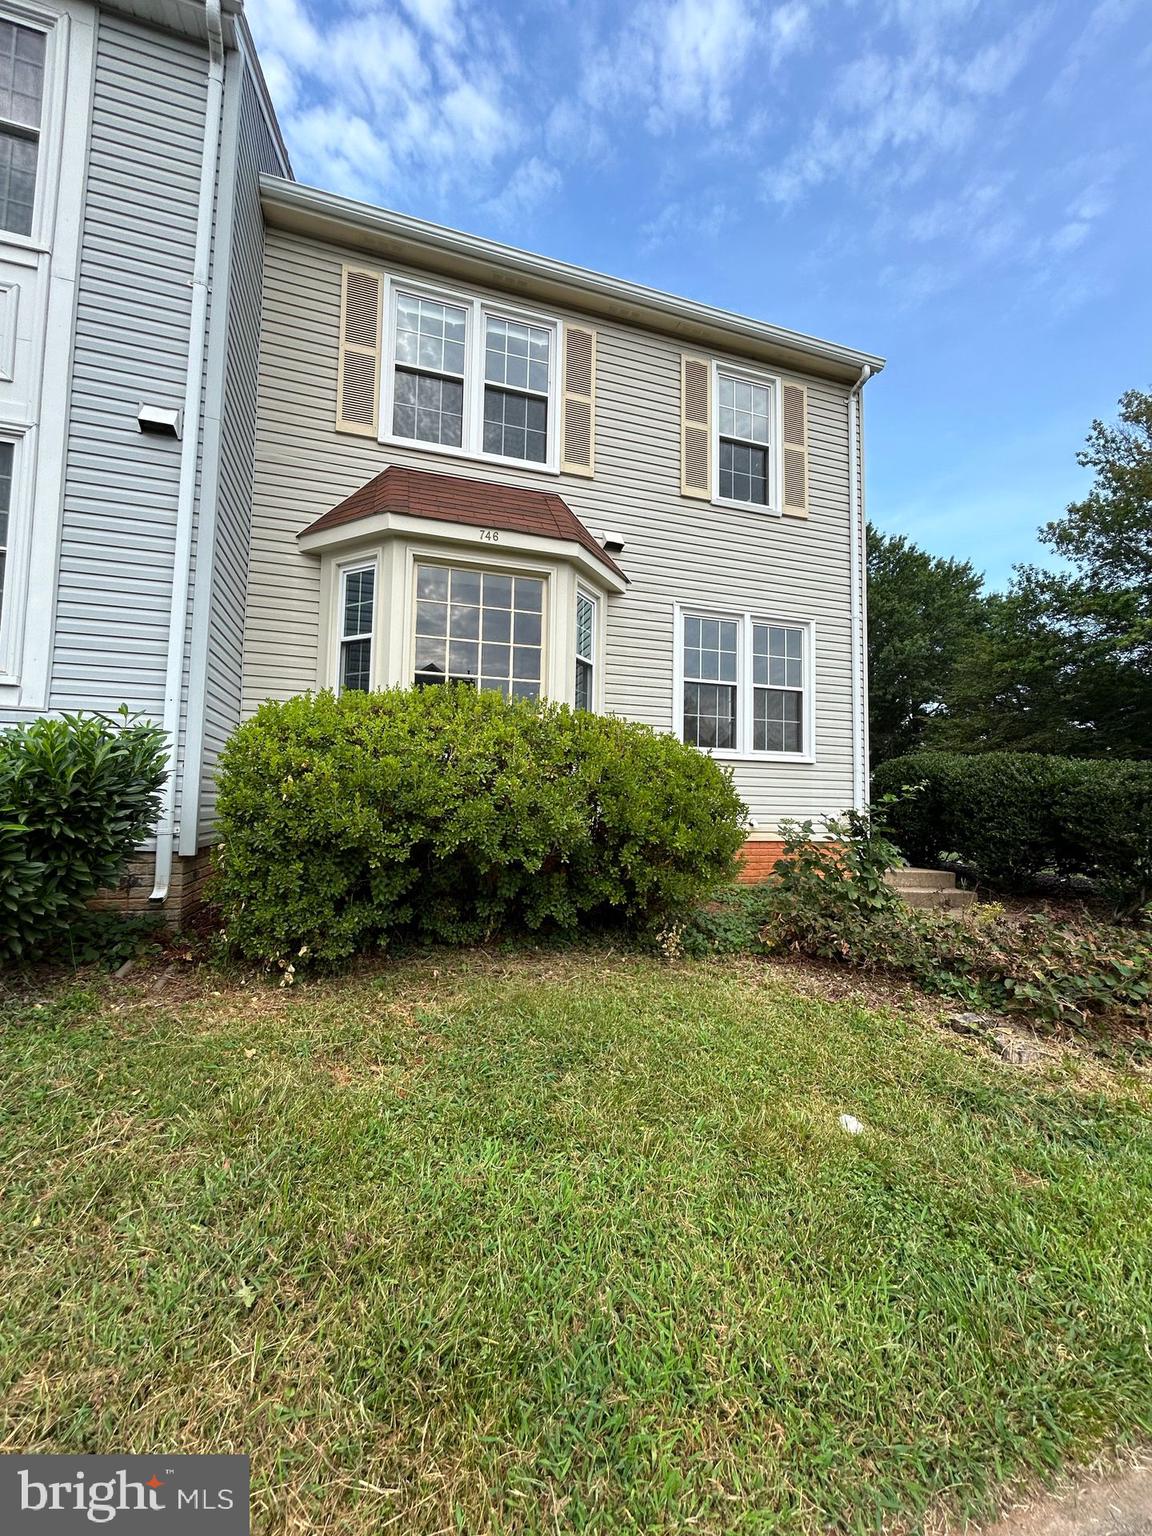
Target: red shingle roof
{"type": "Point", "coordinates": [456, 499]}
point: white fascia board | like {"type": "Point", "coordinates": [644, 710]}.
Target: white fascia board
{"type": "Point", "coordinates": [366, 531]}
{"type": "Point", "coordinates": [331, 216]}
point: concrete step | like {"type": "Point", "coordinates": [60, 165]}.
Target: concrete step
{"type": "Point", "coordinates": [921, 880]}
{"type": "Point", "coordinates": [939, 901]}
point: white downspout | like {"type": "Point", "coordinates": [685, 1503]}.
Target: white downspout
{"type": "Point", "coordinates": [858, 557]}
{"type": "Point", "coordinates": [190, 444]}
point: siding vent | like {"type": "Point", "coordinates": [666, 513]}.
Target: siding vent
{"type": "Point", "coordinates": [358, 380]}
{"type": "Point", "coordinates": [695, 427]}
{"type": "Point", "coordinates": [795, 450]}
{"type": "Point", "coordinates": [578, 454]}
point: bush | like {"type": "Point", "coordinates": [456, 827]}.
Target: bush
{"type": "Point", "coordinates": [451, 814]}
{"type": "Point", "coordinates": [816, 905]}
{"type": "Point", "coordinates": [1012, 816]}
{"type": "Point", "coordinates": [77, 795]}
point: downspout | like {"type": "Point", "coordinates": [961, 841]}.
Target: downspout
{"type": "Point", "coordinates": [190, 445]}
{"type": "Point", "coordinates": [858, 557]}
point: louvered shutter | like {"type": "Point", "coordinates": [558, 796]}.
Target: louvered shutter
{"type": "Point", "coordinates": [578, 436]}
{"type": "Point", "coordinates": [358, 379]}
{"type": "Point", "coordinates": [795, 450]}
{"type": "Point", "coordinates": [696, 427]}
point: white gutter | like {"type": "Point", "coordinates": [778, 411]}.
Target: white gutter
{"type": "Point", "coordinates": [286, 200]}
{"type": "Point", "coordinates": [190, 444]}
{"type": "Point", "coordinates": [858, 557]}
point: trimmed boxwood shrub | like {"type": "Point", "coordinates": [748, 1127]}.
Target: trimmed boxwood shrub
{"type": "Point", "coordinates": [1014, 815]}
{"type": "Point", "coordinates": [451, 814]}
{"type": "Point", "coordinates": [78, 794]}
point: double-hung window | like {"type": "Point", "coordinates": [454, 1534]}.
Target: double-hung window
{"type": "Point", "coordinates": [745, 429]}
{"type": "Point", "coordinates": [585, 651]}
{"type": "Point", "coordinates": [481, 628]}
{"type": "Point", "coordinates": [357, 604]}
{"type": "Point", "coordinates": [428, 398]}
{"type": "Point", "coordinates": [746, 685]}
{"type": "Point", "coordinates": [22, 52]}
{"type": "Point", "coordinates": [474, 377]}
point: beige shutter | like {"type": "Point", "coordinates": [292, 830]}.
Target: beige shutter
{"type": "Point", "coordinates": [358, 379]}
{"type": "Point", "coordinates": [696, 427]}
{"type": "Point", "coordinates": [795, 450]}
{"type": "Point", "coordinates": [578, 435]}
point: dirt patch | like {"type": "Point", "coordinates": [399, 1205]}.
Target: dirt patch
{"type": "Point", "coordinates": [1118, 1503]}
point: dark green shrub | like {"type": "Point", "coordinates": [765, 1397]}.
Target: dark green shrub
{"type": "Point", "coordinates": [1015, 815]}
{"type": "Point", "coordinates": [816, 905]}
{"type": "Point", "coordinates": [77, 795]}
{"type": "Point", "coordinates": [451, 814]}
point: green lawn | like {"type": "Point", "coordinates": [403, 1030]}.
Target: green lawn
{"type": "Point", "coordinates": [555, 1242]}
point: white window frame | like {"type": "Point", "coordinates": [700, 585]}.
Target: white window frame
{"type": "Point", "coordinates": [745, 688]}
{"type": "Point", "coordinates": [594, 659]}
{"type": "Point", "coordinates": [477, 311]}
{"type": "Point", "coordinates": [14, 597]}
{"type": "Point", "coordinates": [771, 381]}
{"type": "Point", "coordinates": [345, 569]}
{"type": "Point", "coordinates": [54, 24]}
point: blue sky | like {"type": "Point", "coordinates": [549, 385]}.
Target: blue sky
{"type": "Point", "coordinates": [962, 186]}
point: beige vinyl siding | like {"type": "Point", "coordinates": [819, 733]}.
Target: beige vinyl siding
{"type": "Point", "coordinates": [677, 549]}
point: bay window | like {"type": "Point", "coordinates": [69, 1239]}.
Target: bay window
{"type": "Point", "coordinates": [357, 603]}
{"type": "Point", "coordinates": [745, 685]}
{"type": "Point", "coordinates": [482, 628]}
{"type": "Point", "coordinates": [585, 694]}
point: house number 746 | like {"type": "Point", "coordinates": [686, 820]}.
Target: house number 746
{"type": "Point", "coordinates": [490, 536]}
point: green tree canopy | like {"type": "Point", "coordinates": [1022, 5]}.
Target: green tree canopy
{"type": "Point", "coordinates": [923, 613]}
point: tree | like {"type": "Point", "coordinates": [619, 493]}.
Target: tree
{"type": "Point", "coordinates": [923, 613]}
{"type": "Point", "coordinates": [1064, 662]}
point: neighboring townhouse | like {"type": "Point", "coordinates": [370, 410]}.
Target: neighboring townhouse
{"type": "Point", "coordinates": [132, 135]}
{"type": "Point", "coordinates": [473, 463]}
{"type": "Point", "coordinates": [256, 438]}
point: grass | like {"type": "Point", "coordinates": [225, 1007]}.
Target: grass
{"type": "Point", "coordinates": [540, 1243]}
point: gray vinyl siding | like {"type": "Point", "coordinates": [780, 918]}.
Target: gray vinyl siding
{"type": "Point", "coordinates": [131, 345]}
{"type": "Point", "coordinates": [256, 153]}
{"type": "Point", "coordinates": [677, 550]}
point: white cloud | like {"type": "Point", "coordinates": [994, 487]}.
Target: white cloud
{"type": "Point", "coordinates": [380, 98]}
{"type": "Point", "coordinates": [529, 185]}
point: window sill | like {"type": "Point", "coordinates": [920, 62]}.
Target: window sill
{"type": "Point", "coordinates": [804, 758]}
{"type": "Point", "coordinates": [746, 506]}
{"type": "Point", "coordinates": [436, 450]}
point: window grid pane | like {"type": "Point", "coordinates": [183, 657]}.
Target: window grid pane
{"type": "Point", "coordinates": [428, 409]}
{"type": "Point", "coordinates": [7, 454]}
{"type": "Point", "coordinates": [21, 74]}
{"type": "Point", "coordinates": [517, 355]}
{"type": "Point", "coordinates": [743, 473]}
{"type": "Point", "coordinates": [483, 629]}
{"type": "Point", "coordinates": [18, 156]}
{"type": "Point", "coordinates": [777, 720]}
{"type": "Point", "coordinates": [710, 715]}
{"type": "Point", "coordinates": [355, 666]}
{"type": "Point", "coordinates": [359, 587]}
{"type": "Point", "coordinates": [430, 335]}
{"type": "Point", "coordinates": [515, 426]}
{"type": "Point", "coordinates": [778, 694]}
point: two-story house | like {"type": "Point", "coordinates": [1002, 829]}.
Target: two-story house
{"type": "Point", "coordinates": [267, 439]}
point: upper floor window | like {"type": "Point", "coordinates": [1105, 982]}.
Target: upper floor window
{"type": "Point", "coordinates": [22, 51]}
{"type": "Point", "coordinates": [428, 403]}
{"type": "Point", "coordinates": [746, 685]}
{"type": "Point", "coordinates": [483, 628]}
{"type": "Point", "coordinates": [471, 376]}
{"type": "Point", "coordinates": [744, 428]}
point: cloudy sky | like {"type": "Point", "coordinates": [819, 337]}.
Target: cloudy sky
{"type": "Point", "coordinates": [962, 186]}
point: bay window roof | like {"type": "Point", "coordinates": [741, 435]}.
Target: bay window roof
{"type": "Point", "coordinates": [457, 499]}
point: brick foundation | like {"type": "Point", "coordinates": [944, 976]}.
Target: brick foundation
{"type": "Point", "coordinates": [758, 858]}
{"type": "Point", "coordinates": [185, 888]}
